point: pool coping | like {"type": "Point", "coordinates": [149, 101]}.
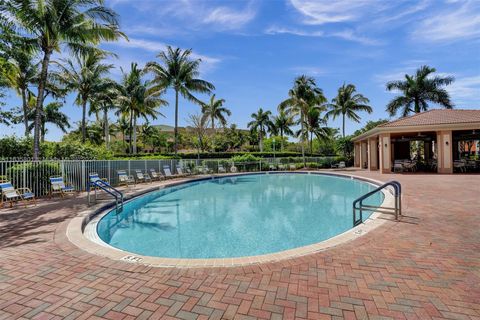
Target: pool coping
{"type": "Point", "coordinates": [91, 243]}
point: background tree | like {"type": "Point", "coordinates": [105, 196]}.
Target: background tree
{"type": "Point", "coordinates": [302, 96]}
{"type": "Point", "coordinates": [179, 71]}
{"type": "Point", "coordinates": [198, 125]}
{"type": "Point", "coordinates": [417, 90]}
{"type": "Point", "coordinates": [50, 114]}
{"type": "Point", "coordinates": [214, 110]}
{"type": "Point", "coordinates": [84, 75]}
{"type": "Point", "coordinates": [261, 123]}
{"type": "Point", "coordinates": [282, 123]}
{"type": "Point", "coordinates": [347, 104]}
{"type": "Point", "coordinates": [315, 125]}
{"type": "Point", "coordinates": [52, 25]}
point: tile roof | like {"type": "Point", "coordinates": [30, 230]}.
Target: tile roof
{"type": "Point", "coordinates": [436, 117]}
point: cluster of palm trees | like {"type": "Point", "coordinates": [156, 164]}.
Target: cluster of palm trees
{"type": "Point", "coordinates": [308, 107]}
{"type": "Point", "coordinates": [34, 33]}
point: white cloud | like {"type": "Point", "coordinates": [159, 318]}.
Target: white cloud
{"type": "Point", "coordinates": [228, 18]}
{"type": "Point", "coordinates": [309, 70]}
{"type": "Point", "coordinates": [456, 22]}
{"type": "Point", "coordinates": [297, 32]}
{"type": "Point", "coordinates": [465, 90]}
{"type": "Point", "coordinates": [350, 35]}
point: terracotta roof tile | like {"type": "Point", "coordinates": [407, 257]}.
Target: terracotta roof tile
{"type": "Point", "coordinates": [436, 117]}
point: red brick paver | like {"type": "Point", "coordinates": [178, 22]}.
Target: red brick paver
{"type": "Point", "coordinates": [427, 266]}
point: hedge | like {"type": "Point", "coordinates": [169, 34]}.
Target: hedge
{"type": "Point", "coordinates": [215, 155]}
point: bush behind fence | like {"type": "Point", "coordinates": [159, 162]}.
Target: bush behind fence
{"type": "Point", "coordinates": [35, 174]}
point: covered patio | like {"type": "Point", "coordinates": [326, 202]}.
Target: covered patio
{"type": "Point", "coordinates": [443, 141]}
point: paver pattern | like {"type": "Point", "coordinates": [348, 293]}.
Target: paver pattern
{"type": "Point", "coordinates": [426, 266]}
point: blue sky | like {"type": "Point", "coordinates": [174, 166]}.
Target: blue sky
{"type": "Point", "coordinates": [252, 50]}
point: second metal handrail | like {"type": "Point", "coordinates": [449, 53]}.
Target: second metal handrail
{"type": "Point", "coordinates": [108, 189]}
{"type": "Point", "coordinates": [397, 210]}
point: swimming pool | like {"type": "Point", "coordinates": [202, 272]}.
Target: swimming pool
{"type": "Point", "coordinates": [236, 216]}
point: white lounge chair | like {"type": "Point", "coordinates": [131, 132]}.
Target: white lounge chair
{"type": "Point", "coordinates": [11, 195]}
{"type": "Point", "coordinates": [167, 172]}
{"type": "Point", "coordinates": [124, 178]}
{"type": "Point", "coordinates": [57, 185]}
{"type": "Point", "coordinates": [292, 166]}
{"type": "Point", "coordinates": [140, 176]}
{"type": "Point", "coordinates": [180, 171]}
{"type": "Point", "coordinates": [221, 169]}
{"type": "Point", "coordinates": [233, 169]}
{"type": "Point", "coordinates": [155, 175]}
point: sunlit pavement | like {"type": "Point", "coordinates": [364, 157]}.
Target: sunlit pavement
{"type": "Point", "coordinates": [426, 266]}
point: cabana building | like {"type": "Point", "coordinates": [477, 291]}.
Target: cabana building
{"type": "Point", "coordinates": [439, 140]}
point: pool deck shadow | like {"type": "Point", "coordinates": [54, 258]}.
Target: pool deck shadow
{"type": "Point", "coordinates": [426, 266]}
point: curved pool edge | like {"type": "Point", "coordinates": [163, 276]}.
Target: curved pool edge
{"type": "Point", "coordinates": [81, 231]}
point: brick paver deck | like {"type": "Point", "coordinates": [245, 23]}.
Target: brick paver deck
{"type": "Point", "coordinates": [426, 266]}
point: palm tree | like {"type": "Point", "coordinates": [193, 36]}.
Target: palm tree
{"type": "Point", "coordinates": [214, 109]}
{"type": "Point", "coordinates": [261, 123]}
{"type": "Point", "coordinates": [51, 25]}
{"type": "Point", "coordinates": [282, 124]}
{"type": "Point", "coordinates": [21, 73]}
{"type": "Point", "coordinates": [123, 126]}
{"type": "Point", "coordinates": [302, 97]}
{"type": "Point", "coordinates": [103, 101]}
{"type": "Point", "coordinates": [84, 75]}
{"type": "Point", "coordinates": [417, 90]}
{"type": "Point", "coordinates": [50, 114]}
{"type": "Point", "coordinates": [315, 125]}
{"type": "Point", "coordinates": [138, 98]}
{"type": "Point", "coordinates": [347, 103]}
{"type": "Point", "coordinates": [178, 71]}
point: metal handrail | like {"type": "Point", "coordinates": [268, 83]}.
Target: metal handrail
{"type": "Point", "coordinates": [398, 202]}
{"type": "Point", "coordinates": [109, 189]}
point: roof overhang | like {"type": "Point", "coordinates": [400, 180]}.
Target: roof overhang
{"type": "Point", "coordinates": [423, 128]}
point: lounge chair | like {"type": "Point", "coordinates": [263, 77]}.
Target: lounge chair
{"type": "Point", "coordinates": [292, 166]}
{"type": "Point", "coordinates": [140, 176]}
{"type": "Point", "coordinates": [341, 165]}
{"type": "Point", "coordinates": [233, 169]}
{"type": "Point", "coordinates": [11, 195]}
{"type": "Point", "coordinates": [460, 165]}
{"type": "Point", "coordinates": [180, 171]}
{"type": "Point", "coordinates": [57, 185]}
{"type": "Point", "coordinates": [124, 178]}
{"type": "Point", "coordinates": [168, 172]}
{"type": "Point", "coordinates": [281, 167]}
{"type": "Point", "coordinates": [93, 177]}
{"type": "Point", "coordinates": [155, 175]}
{"type": "Point", "coordinates": [221, 169]}
{"type": "Point", "coordinates": [272, 167]}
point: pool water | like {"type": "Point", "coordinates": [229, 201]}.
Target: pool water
{"type": "Point", "coordinates": [236, 216]}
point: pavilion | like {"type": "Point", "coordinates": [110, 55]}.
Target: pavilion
{"type": "Point", "coordinates": [440, 138]}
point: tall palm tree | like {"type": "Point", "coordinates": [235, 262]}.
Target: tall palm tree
{"type": "Point", "coordinates": [347, 103]}
{"type": "Point", "coordinates": [123, 126]}
{"type": "Point", "coordinates": [50, 114]}
{"type": "Point", "coordinates": [261, 123]}
{"type": "Point", "coordinates": [417, 90]}
{"type": "Point", "coordinates": [103, 101]}
{"type": "Point", "coordinates": [315, 125]}
{"type": "Point", "coordinates": [179, 71]}
{"type": "Point", "coordinates": [84, 75]}
{"type": "Point", "coordinates": [214, 110]}
{"type": "Point", "coordinates": [302, 97]}
{"type": "Point", "coordinates": [53, 24]}
{"type": "Point", "coordinates": [282, 123]}
{"type": "Point", "coordinates": [138, 98]}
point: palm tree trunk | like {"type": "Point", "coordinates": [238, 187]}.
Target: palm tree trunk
{"type": "Point", "coordinates": [84, 117]}
{"type": "Point", "coordinates": [343, 125]}
{"type": "Point", "coordinates": [106, 129]}
{"type": "Point", "coordinates": [131, 133]}
{"type": "Point", "coordinates": [213, 124]}
{"type": "Point", "coordinates": [176, 120]}
{"type": "Point", "coordinates": [39, 105]}
{"type": "Point", "coordinates": [135, 134]}
{"type": "Point", "coordinates": [311, 143]}
{"type": "Point", "coordinates": [42, 139]}
{"type": "Point", "coordinates": [261, 139]}
{"type": "Point", "coordinates": [302, 138]}
{"type": "Point", "coordinates": [281, 141]}
{"type": "Point", "coordinates": [25, 111]}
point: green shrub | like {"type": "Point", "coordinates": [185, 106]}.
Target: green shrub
{"type": "Point", "coordinates": [75, 151]}
{"type": "Point", "coordinates": [39, 172]}
{"type": "Point", "coordinates": [247, 157]}
{"type": "Point", "coordinates": [14, 147]}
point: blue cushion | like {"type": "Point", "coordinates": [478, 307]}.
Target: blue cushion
{"type": "Point", "coordinates": [28, 195]}
{"type": "Point", "coordinates": [68, 188]}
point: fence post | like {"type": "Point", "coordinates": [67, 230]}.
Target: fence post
{"type": "Point", "coordinates": [109, 169]}
{"type": "Point", "coordinates": [129, 167]}
{"type": "Point", "coordinates": [83, 174]}
{"type": "Point", "coordinates": [24, 174]}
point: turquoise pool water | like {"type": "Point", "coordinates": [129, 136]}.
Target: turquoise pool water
{"type": "Point", "coordinates": [235, 216]}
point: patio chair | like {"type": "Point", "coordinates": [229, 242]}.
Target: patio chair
{"type": "Point", "coordinates": [410, 166]}
{"type": "Point", "coordinates": [140, 176]}
{"type": "Point", "coordinates": [124, 178]}
{"type": "Point", "coordinates": [11, 195]}
{"type": "Point", "coordinates": [168, 172]}
{"type": "Point", "coordinates": [292, 166]}
{"type": "Point", "coordinates": [341, 165]}
{"type": "Point", "coordinates": [155, 175]}
{"type": "Point", "coordinates": [460, 165]}
{"type": "Point", "coordinates": [281, 167]}
{"type": "Point", "coordinates": [93, 177]}
{"type": "Point", "coordinates": [272, 167]}
{"type": "Point", "coordinates": [57, 185]}
{"type": "Point", "coordinates": [221, 169]}
{"type": "Point", "coordinates": [180, 170]}
{"type": "Point", "coordinates": [233, 169]}
{"type": "Point", "coordinates": [397, 166]}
